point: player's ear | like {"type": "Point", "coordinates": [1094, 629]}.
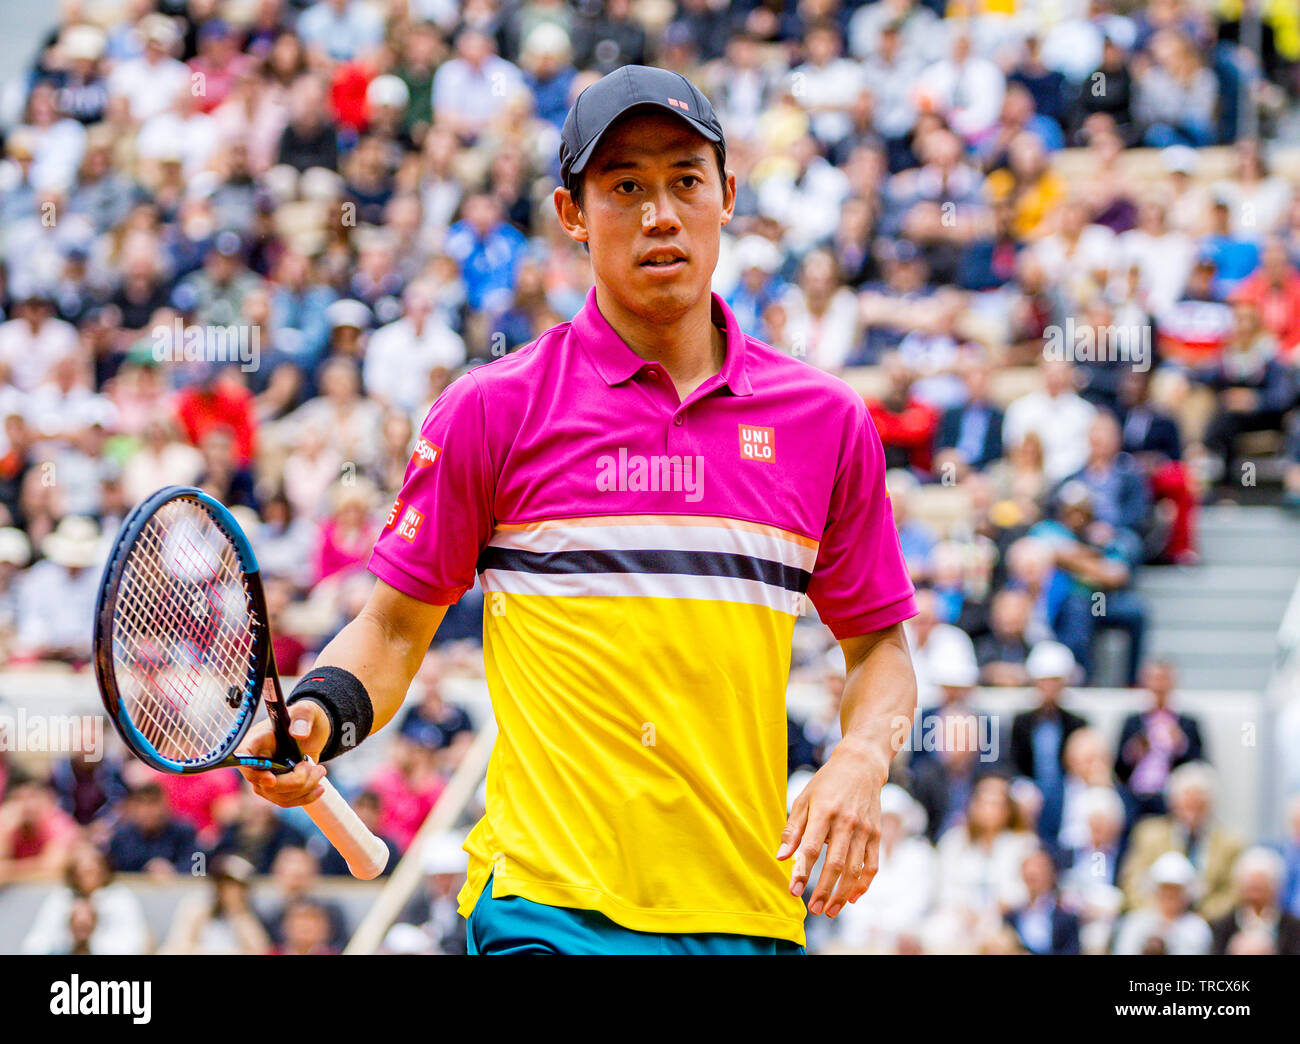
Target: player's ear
{"type": "Point", "coordinates": [572, 219]}
{"type": "Point", "coordinates": [729, 197]}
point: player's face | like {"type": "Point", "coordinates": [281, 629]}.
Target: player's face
{"type": "Point", "coordinates": [652, 213]}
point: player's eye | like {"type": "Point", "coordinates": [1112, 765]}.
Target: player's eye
{"type": "Point", "coordinates": [626, 188]}
{"type": "Point", "coordinates": [691, 181]}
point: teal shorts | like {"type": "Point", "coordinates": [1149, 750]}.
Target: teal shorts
{"type": "Point", "coordinates": [514, 925]}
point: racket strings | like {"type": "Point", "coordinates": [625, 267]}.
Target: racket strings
{"type": "Point", "coordinates": [183, 634]}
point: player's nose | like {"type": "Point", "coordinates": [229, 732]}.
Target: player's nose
{"type": "Point", "coordinates": [658, 215]}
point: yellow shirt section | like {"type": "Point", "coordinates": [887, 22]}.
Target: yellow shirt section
{"type": "Point", "coordinates": [634, 777]}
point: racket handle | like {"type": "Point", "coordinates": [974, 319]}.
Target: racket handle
{"type": "Point", "coordinates": [365, 854]}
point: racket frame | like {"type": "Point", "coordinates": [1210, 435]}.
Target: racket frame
{"type": "Point", "coordinates": [261, 659]}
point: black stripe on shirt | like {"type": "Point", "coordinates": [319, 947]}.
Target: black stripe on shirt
{"type": "Point", "coordinates": [683, 563]}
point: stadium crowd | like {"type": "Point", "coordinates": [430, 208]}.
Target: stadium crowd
{"type": "Point", "coordinates": [246, 243]}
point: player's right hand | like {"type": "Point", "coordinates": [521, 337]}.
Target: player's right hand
{"type": "Point", "coordinates": [310, 727]}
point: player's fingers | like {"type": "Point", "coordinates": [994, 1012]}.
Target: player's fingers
{"type": "Point", "coordinates": [309, 725]}
{"type": "Point", "coordinates": [259, 743]}
{"type": "Point", "coordinates": [793, 828]}
{"type": "Point", "coordinates": [837, 854]}
{"type": "Point", "coordinates": [856, 871]}
{"type": "Point", "coordinates": [299, 787]}
{"type": "Point", "coordinates": [805, 856]}
{"type": "Point", "coordinates": [872, 864]}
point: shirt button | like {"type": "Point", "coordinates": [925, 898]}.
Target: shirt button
{"type": "Point", "coordinates": [678, 420]}
{"type": "Point", "coordinates": [652, 374]}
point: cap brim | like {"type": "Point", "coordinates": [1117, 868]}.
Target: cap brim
{"type": "Point", "coordinates": [580, 161]}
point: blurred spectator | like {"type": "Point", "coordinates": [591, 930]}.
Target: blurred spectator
{"type": "Point", "coordinates": [434, 907]}
{"type": "Point", "coordinates": [1057, 416]}
{"type": "Point", "coordinates": [472, 87]}
{"type": "Point", "coordinates": [119, 923]}
{"type": "Point", "coordinates": [149, 839]}
{"type": "Point", "coordinates": [1092, 588]}
{"type": "Point", "coordinates": [322, 929]}
{"type": "Point", "coordinates": [401, 355]}
{"type": "Point", "coordinates": [222, 921]}
{"type": "Point", "coordinates": [1119, 491]}
{"type": "Point", "coordinates": [1176, 95]}
{"type": "Point", "coordinates": [1004, 651]}
{"type": "Point", "coordinates": [433, 722]}
{"type": "Point", "coordinates": [1165, 925]}
{"type": "Point", "coordinates": [970, 434]}
{"type": "Point", "coordinates": [1273, 292]}
{"type": "Point", "coordinates": [1189, 829]}
{"type": "Point", "coordinates": [408, 787]}
{"type": "Point", "coordinates": [256, 836]}
{"type": "Point", "coordinates": [1039, 736]}
{"type": "Point", "coordinates": [906, 425]}
{"type": "Point", "coordinates": [1151, 437]}
{"type": "Point", "coordinates": [88, 783]}
{"type": "Point", "coordinates": [1090, 883]}
{"type": "Point", "coordinates": [1042, 924]}
{"type": "Point", "coordinates": [1258, 874]}
{"type": "Point", "coordinates": [1154, 742]}
{"type": "Point", "coordinates": [56, 600]}
{"type": "Point", "coordinates": [1087, 763]}
{"type": "Point", "coordinates": [1252, 388]}
{"type": "Point", "coordinates": [36, 836]}
{"type": "Point", "coordinates": [979, 869]}
{"type": "Point", "coordinates": [305, 928]}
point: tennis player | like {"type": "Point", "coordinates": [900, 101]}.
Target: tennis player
{"type": "Point", "coordinates": [646, 495]}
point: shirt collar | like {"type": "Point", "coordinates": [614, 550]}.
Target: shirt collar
{"type": "Point", "coordinates": [616, 362]}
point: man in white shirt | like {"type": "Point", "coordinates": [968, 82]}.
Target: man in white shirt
{"type": "Point", "coordinates": [341, 29]}
{"type": "Point", "coordinates": [966, 88]}
{"type": "Point", "coordinates": [151, 81]}
{"type": "Point", "coordinates": [472, 88]}
{"type": "Point", "coordinates": [826, 85]}
{"type": "Point", "coordinates": [33, 342]}
{"type": "Point", "coordinates": [1058, 416]}
{"type": "Point", "coordinates": [808, 200]}
{"type": "Point", "coordinates": [401, 355]}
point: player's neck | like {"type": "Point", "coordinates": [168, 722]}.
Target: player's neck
{"type": "Point", "coordinates": [691, 349]}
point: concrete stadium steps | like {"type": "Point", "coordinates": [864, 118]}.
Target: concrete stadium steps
{"type": "Point", "coordinates": [1218, 621]}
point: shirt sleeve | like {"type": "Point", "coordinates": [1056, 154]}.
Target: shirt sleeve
{"type": "Point", "coordinates": [860, 582]}
{"type": "Point", "coordinates": [442, 518]}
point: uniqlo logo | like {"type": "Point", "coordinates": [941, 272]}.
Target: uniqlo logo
{"type": "Point", "coordinates": [426, 453]}
{"type": "Point", "coordinates": [757, 443]}
{"type": "Point", "coordinates": [393, 512]}
{"type": "Point", "coordinates": [410, 524]}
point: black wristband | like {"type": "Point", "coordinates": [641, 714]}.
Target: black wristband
{"type": "Point", "coordinates": [344, 700]}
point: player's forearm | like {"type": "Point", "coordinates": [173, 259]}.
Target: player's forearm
{"type": "Point", "coordinates": [382, 658]}
{"type": "Point", "coordinates": [879, 697]}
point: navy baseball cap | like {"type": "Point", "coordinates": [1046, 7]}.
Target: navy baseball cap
{"type": "Point", "coordinates": [614, 95]}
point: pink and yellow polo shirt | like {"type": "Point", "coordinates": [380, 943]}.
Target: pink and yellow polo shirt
{"type": "Point", "coordinates": [643, 561]}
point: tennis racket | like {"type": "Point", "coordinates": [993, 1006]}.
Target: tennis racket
{"type": "Point", "coordinates": [182, 654]}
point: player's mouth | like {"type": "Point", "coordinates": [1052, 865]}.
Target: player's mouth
{"type": "Point", "coordinates": [668, 261]}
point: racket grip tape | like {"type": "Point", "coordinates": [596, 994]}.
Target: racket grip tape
{"type": "Point", "coordinates": [365, 854]}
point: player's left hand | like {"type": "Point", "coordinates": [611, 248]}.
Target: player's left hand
{"type": "Point", "coordinates": [839, 808]}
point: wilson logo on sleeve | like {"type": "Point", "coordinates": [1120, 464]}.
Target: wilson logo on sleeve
{"type": "Point", "coordinates": [757, 443]}
{"type": "Point", "coordinates": [426, 453]}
